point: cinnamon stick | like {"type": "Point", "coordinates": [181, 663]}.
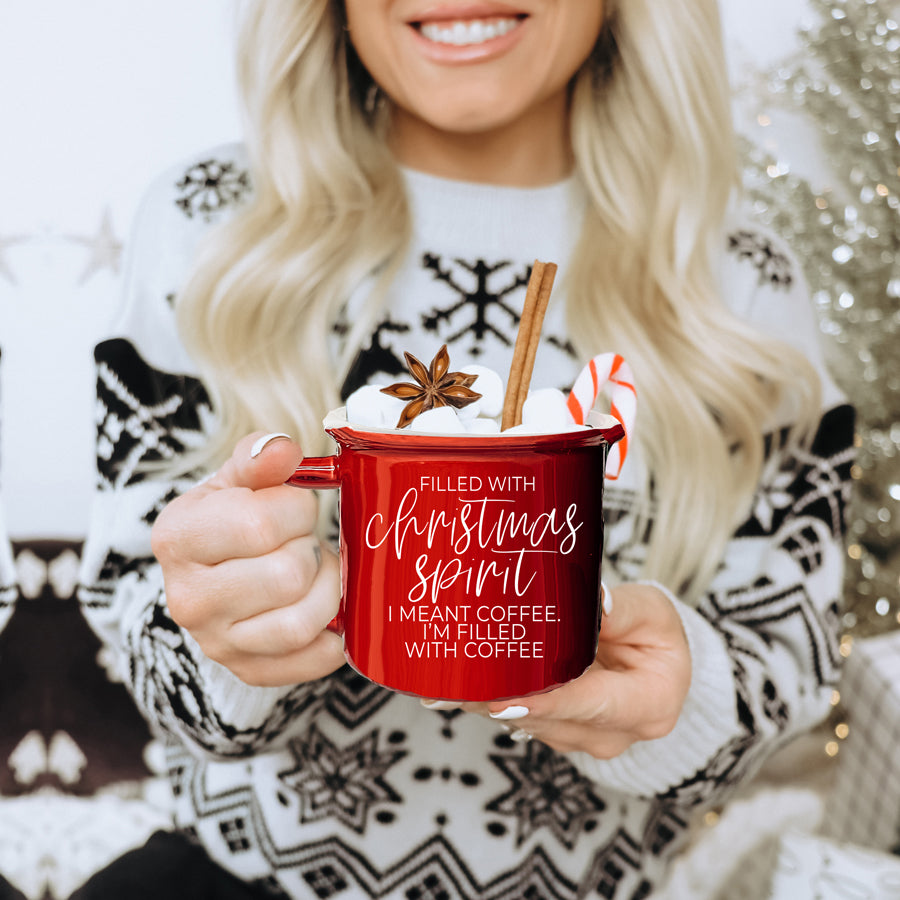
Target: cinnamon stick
{"type": "Point", "coordinates": [534, 340]}
{"type": "Point", "coordinates": [537, 296]}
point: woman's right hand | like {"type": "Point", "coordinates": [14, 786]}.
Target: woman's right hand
{"type": "Point", "coordinates": [245, 573]}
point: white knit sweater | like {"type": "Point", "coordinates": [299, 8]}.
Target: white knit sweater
{"type": "Point", "coordinates": [9, 590]}
{"type": "Point", "coordinates": [340, 788]}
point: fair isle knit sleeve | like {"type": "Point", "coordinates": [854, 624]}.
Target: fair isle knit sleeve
{"type": "Point", "coordinates": [151, 407]}
{"type": "Point", "coordinates": [764, 637]}
{"type": "Point", "coordinates": [9, 589]}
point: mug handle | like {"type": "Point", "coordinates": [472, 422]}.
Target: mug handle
{"type": "Point", "coordinates": [318, 472]}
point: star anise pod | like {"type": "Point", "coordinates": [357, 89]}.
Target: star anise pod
{"type": "Point", "coordinates": [434, 387]}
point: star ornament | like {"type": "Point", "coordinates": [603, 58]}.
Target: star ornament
{"type": "Point", "coordinates": [434, 387]}
{"type": "Point", "coordinates": [105, 249]}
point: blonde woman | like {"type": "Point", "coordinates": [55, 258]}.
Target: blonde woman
{"type": "Point", "coordinates": [405, 162]}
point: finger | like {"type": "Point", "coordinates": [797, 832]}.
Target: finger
{"type": "Point", "coordinates": [255, 585]}
{"type": "Point", "coordinates": [641, 614]}
{"type": "Point", "coordinates": [233, 523]}
{"type": "Point", "coordinates": [222, 516]}
{"type": "Point", "coordinates": [317, 660]}
{"type": "Point", "coordinates": [637, 703]}
{"type": "Point", "coordinates": [563, 735]}
{"type": "Point", "coordinates": [294, 625]}
{"type": "Point", "coordinates": [587, 698]}
{"type": "Point", "coordinates": [573, 737]}
{"type": "Point", "coordinates": [207, 599]}
{"type": "Point", "coordinates": [274, 462]}
{"type": "Point", "coordinates": [442, 705]}
{"type": "Point", "coordinates": [622, 619]}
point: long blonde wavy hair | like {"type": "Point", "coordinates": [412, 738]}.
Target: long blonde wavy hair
{"type": "Point", "coordinates": [652, 141]}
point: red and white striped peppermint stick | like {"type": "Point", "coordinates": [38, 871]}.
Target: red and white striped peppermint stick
{"type": "Point", "coordinates": [609, 373]}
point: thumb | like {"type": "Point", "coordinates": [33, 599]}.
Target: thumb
{"type": "Point", "coordinates": [259, 461]}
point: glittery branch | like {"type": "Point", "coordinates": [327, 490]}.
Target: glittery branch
{"type": "Point", "coordinates": [845, 80]}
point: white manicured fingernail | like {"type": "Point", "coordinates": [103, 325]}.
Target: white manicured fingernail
{"type": "Point", "coordinates": [264, 442]}
{"type": "Point", "coordinates": [520, 736]}
{"type": "Point", "coordinates": [511, 712]}
{"type": "Point", "coordinates": [606, 593]}
{"type": "Point", "coordinates": [439, 705]}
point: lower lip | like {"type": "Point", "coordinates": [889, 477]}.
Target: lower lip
{"type": "Point", "coordinates": [466, 53]}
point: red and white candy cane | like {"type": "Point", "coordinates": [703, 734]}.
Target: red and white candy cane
{"type": "Point", "coordinates": [609, 373]}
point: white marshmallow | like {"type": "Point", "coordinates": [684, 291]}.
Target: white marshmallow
{"type": "Point", "coordinates": [490, 386]}
{"type": "Point", "coordinates": [482, 426]}
{"type": "Point", "coordinates": [600, 420]}
{"type": "Point", "coordinates": [526, 428]}
{"type": "Point", "coordinates": [522, 429]}
{"type": "Point", "coordinates": [442, 420]}
{"type": "Point", "coordinates": [544, 412]}
{"type": "Point", "coordinates": [546, 409]}
{"type": "Point", "coordinates": [368, 407]}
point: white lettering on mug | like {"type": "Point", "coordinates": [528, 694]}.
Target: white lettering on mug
{"type": "Point", "coordinates": [476, 547]}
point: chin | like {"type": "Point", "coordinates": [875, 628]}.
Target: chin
{"type": "Point", "coordinates": [470, 117]}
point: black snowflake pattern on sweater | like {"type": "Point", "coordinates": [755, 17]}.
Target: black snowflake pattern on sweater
{"type": "Point", "coordinates": [143, 415]}
{"type": "Point", "coordinates": [482, 303]}
{"type": "Point", "coordinates": [8, 595]}
{"type": "Point", "coordinates": [810, 498]}
{"type": "Point", "coordinates": [352, 699]}
{"type": "Point", "coordinates": [343, 783]}
{"type": "Point", "coordinates": [814, 482]}
{"type": "Point", "coordinates": [210, 186]}
{"type": "Point", "coordinates": [773, 266]}
{"type": "Point", "coordinates": [545, 791]}
{"type": "Point", "coordinates": [430, 868]}
{"type": "Point", "coordinates": [377, 359]}
{"type": "Point", "coordinates": [477, 297]}
{"type": "Point", "coordinates": [172, 690]}
{"type": "Point", "coordinates": [114, 568]}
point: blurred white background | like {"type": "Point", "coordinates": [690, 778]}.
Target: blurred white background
{"type": "Point", "coordinates": [96, 97]}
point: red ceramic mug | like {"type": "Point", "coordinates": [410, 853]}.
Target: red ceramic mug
{"type": "Point", "coordinates": [470, 565]}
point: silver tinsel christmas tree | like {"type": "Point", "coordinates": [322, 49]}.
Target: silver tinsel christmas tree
{"type": "Point", "coordinates": [846, 82]}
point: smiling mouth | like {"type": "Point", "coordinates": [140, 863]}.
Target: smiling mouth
{"type": "Point", "coordinates": [463, 33]}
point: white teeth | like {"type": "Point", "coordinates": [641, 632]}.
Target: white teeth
{"type": "Point", "coordinates": [463, 33]}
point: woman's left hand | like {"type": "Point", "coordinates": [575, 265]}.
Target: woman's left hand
{"type": "Point", "coordinates": [633, 691]}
